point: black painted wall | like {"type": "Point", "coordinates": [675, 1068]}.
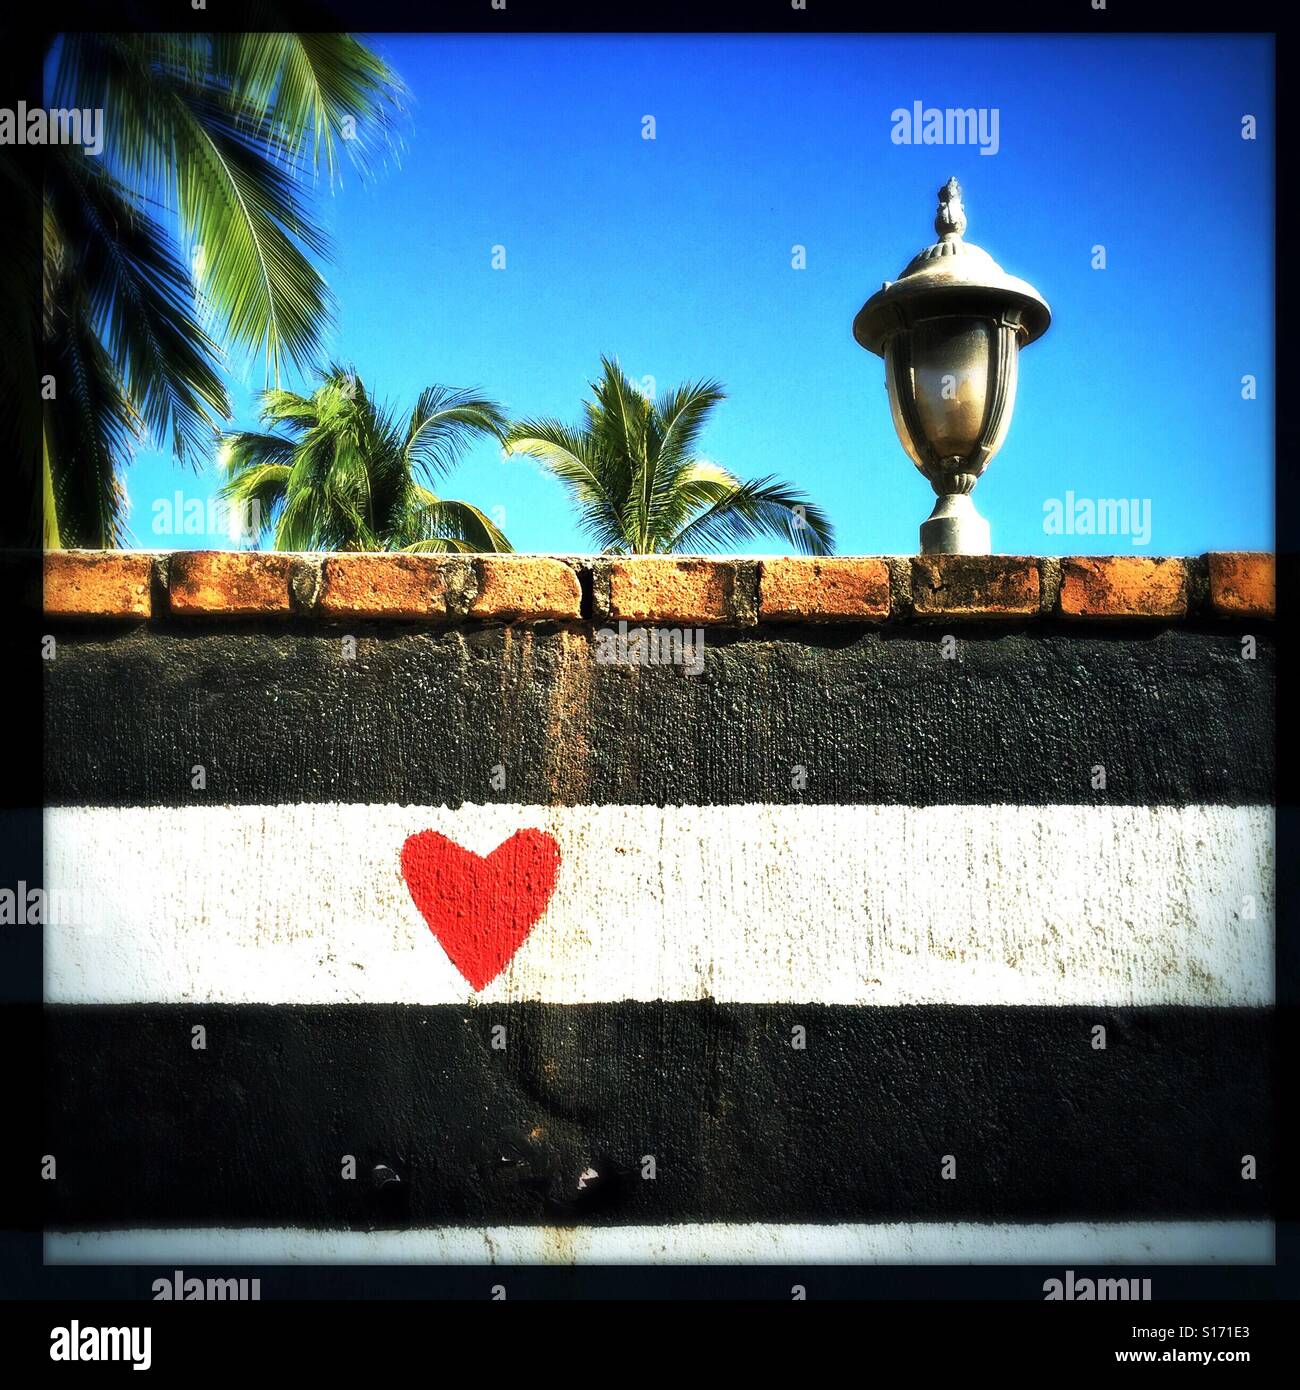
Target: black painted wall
{"type": "Point", "coordinates": [280, 714]}
{"type": "Point", "coordinates": [148, 1130]}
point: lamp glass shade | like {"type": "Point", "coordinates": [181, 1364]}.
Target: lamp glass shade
{"type": "Point", "coordinates": [952, 386]}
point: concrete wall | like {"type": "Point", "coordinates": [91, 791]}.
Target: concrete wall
{"type": "Point", "coordinates": [807, 934]}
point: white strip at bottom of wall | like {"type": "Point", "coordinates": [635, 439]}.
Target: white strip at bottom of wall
{"type": "Point", "coordinates": [902, 1243]}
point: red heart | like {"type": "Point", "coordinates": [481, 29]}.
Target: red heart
{"type": "Point", "coordinates": [481, 909]}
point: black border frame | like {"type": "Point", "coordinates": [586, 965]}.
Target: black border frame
{"type": "Point", "coordinates": [23, 1276]}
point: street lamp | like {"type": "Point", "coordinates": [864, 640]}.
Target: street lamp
{"type": "Point", "coordinates": [950, 329]}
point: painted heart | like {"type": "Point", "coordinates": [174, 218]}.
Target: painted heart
{"type": "Point", "coordinates": [481, 908]}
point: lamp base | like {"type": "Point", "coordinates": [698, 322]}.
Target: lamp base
{"type": "Point", "coordinates": [955, 528]}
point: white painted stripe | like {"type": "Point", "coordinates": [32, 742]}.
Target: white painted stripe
{"type": "Point", "coordinates": [965, 1242]}
{"type": "Point", "coordinates": [759, 903]}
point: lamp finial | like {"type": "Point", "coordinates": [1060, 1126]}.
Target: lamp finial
{"type": "Point", "coordinates": [950, 220]}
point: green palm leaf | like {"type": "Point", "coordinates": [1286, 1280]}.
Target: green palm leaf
{"type": "Point", "coordinates": [313, 90]}
{"type": "Point", "coordinates": [345, 475]}
{"type": "Point", "coordinates": [742, 511]}
{"type": "Point", "coordinates": [636, 482]}
{"type": "Point", "coordinates": [444, 422]}
{"type": "Point", "coordinates": [194, 226]}
{"type": "Point", "coordinates": [140, 302]}
{"type": "Point", "coordinates": [91, 435]}
{"type": "Point", "coordinates": [592, 479]}
{"type": "Point", "coordinates": [452, 526]}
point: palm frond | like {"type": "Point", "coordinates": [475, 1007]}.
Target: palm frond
{"type": "Point", "coordinates": [673, 430]}
{"type": "Point", "coordinates": [443, 525]}
{"type": "Point", "coordinates": [570, 455]}
{"type": "Point", "coordinates": [619, 422]}
{"type": "Point", "coordinates": [680, 414]}
{"type": "Point", "coordinates": [344, 477]}
{"type": "Point", "coordinates": [211, 129]}
{"type": "Point", "coordinates": [444, 422]}
{"type": "Point", "coordinates": [244, 212]}
{"type": "Point", "coordinates": [313, 91]}
{"type": "Point", "coordinates": [140, 303]}
{"type": "Point", "coordinates": [20, 361]}
{"type": "Point", "coordinates": [191, 227]}
{"type": "Point", "coordinates": [741, 511]}
{"type": "Point", "coordinates": [631, 471]}
{"type": "Point", "coordinates": [91, 431]}
{"type": "Point", "coordinates": [287, 408]}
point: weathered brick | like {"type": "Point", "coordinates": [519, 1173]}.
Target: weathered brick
{"type": "Point", "coordinates": [659, 589]}
{"type": "Point", "coordinates": [1123, 586]}
{"type": "Point", "coordinates": [799, 589]}
{"type": "Point", "coordinates": [229, 583]}
{"type": "Point", "coordinates": [118, 585]}
{"type": "Point", "coordinates": [972, 587]}
{"type": "Point", "coordinates": [1243, 583]}
{"type": "Point", "coordinates": [525, 586]}
{"type": "Point", "coordinates": [98, 583]}
{"type": "Point", "coordinates": [386, 586]}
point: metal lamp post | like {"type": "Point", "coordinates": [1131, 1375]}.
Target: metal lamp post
{"type": "Point", "coordinates": [950, 329]}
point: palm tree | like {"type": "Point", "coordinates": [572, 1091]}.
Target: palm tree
{"type": "Point", "coordinates": [346, 474]}
{"type": "Point", "coordinates": [632, 471]}
{"type": "Point", "coordinates": [188, 236]}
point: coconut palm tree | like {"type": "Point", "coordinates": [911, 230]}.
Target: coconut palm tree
{"type": "Point", "coordinates": [347, 473]}
{"type": "Point", "coordinates": [640, 487]}
{"type": "Point", "coordinates": [186, 238]}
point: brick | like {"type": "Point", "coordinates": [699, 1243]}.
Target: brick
{"type": "Point", "coordinates": [387, 586]}
{"type": "Point", "coordinates": [98, 583]}
{"type": "Point", "coordinates": [971, 587]}
{"type": "Point", "coordinates": [1243, 583]}
{"type": "Point", "coordinates": [813, 590]}
{"type": "Point", "coordinates": [525, 586]}
{"type": "Point", "coordinates": [1123, 586]}
{"type": "Point", "coordinates": [229, 583]}
{"type": "Point", "coordinates": [656, 589]}
{"type": "Point", "coordinates": [664, 589]}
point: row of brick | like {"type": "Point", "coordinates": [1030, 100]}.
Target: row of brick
{"type": "Point", "coordinates": [433, 588]}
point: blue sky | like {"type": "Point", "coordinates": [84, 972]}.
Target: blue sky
{"type": "Point", "coordinates": [674, 255]}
